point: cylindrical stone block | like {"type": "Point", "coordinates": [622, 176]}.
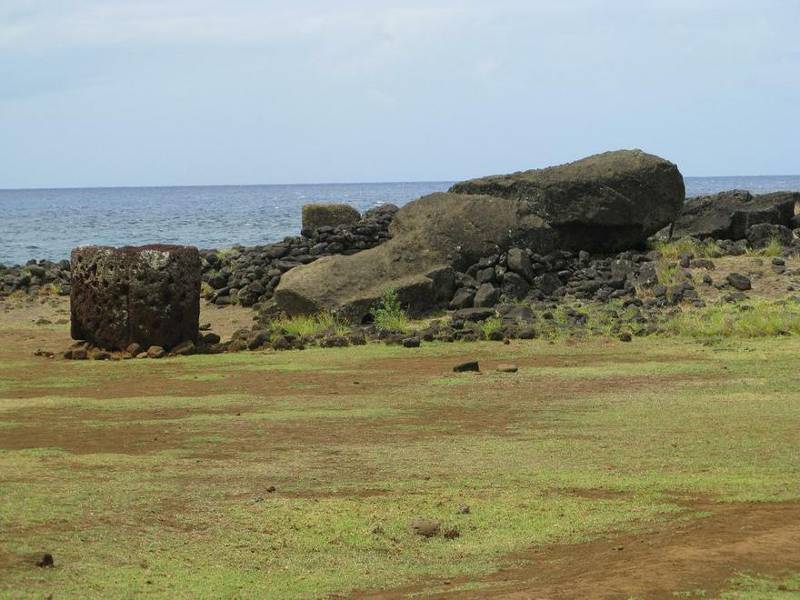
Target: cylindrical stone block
{"type": "Point", "coordinates": [328, 215]}
{"type": "Point", "coordinates": [149, 295]}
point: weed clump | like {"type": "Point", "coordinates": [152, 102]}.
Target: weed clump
{"type": "Point", "coordinates": [673, 249]}
{"type": "Point", "coordinates": [773, 248]}
{"type": "Point", "coordinates": [311, 325]}
{"type": "Point", "coordinates": [389, 314]}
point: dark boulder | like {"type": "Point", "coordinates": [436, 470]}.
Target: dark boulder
{"type": "Point", "coordinates": [762, 234]}
{"type": "Point", "coordinates": [739, 281]}
{"type": "Point", "coordinates": [606, 202]}
{"type": "Point", "coordinates": [487, 295]}
{"type": "Point", "coordinates": [149, 295]}
{"type": "Point", "coordinates": [728, 215]}
{"type": "Point", "coordinates": [473, 315]}
{"type": "Point", "coordinates": [463, 298]}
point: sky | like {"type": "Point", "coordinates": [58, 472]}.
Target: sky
{"type": "Point", "coordinates": [183, 92]}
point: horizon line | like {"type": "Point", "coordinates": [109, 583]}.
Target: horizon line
{"type": "Point", "coordinates": [221, 185]}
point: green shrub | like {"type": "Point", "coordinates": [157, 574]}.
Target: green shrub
{"type": "Point", "coordinates": [760, 318]}
{"type": "Point", "coordinates": [389, 314]}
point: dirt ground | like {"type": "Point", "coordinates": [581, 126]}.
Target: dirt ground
{"type": "Point", "coordinates": [701, 555]}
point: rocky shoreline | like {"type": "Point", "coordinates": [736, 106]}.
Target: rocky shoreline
{"type": "Point", "coordinates": [581, 247]}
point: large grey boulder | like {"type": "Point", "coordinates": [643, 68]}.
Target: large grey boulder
{"type": "Point", "coordinates": [148, 295]}
{"type": "Point", "coordinates": [609, 201]}
{"type": "Point", "coordinates": [728, 215]}
{"type": "Point", "coordinates": [606, 202]}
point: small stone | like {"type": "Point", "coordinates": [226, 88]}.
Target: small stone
{"type": "Point", "coordinates": [156, 352]}
{"type": "Point", "coordinates": [625, 337]}
{"type": "Point", "coordinates": [134, 349]}
{"type": "Point", "coordinates": [509, 368]}
{"type": "Point", "coordinates": [411, 342]}
{"type": "Point", "coordinates": [739, 281]}
{"type": "Point", "coordinates": [281, 342]}
{"type": "Point", "coordinates": [211, 338]}
{"type": "Point", "coordinates": [452, 533]}
{"type": "Point", "coordinates": [184, 348]}
{"type": "Point", "coordinates": [98, 354]}
{"type": "Point", "coordinates": [44, 560]}
{"type": "Point", "coordinates": [462, 509]}
{"type": "Point", "coordinates": [470, 365]}
{"type": "Point", "coordinates": [204, 326]}
{"type": "Point", "coordinates": [425, 527]}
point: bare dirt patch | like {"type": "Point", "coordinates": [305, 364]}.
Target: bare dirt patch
{"type": "Point", "coordinates": [697, 554]}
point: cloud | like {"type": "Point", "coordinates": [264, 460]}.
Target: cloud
{"type": "Point", "coordinates": [81, 23]}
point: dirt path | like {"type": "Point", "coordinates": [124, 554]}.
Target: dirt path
{"type": "Point", "coordinates": [701, 554]}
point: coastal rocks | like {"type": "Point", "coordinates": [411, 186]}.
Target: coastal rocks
{"type": "Point", "coordinates": [763, 234]}
{"type": "Point", "coordinates": [606, 202]}
{"type": "Point", "coordinates": [35, 277]}
{"type": "Point", "coordinates": [328, 215]}
{"type": "Point", "coordinates": [728, 215]}
{"type": "Point", "coordinates": [148, 295]}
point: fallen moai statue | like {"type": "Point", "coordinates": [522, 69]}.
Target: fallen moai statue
{"type": "Point", "coordinates": [605, 202]}
{"type": "Point", "coordinates": [149, 295]}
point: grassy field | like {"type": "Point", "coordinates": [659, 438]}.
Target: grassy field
{"type": "Point", "coordinates": [297, 474]}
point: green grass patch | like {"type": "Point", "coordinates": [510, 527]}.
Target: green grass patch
{"type": "Point", "coordinates": [311, 325]}
{"type": "Point", "coordinates": [195, 518]}
{"type": "Point", "coordinates": [672, 250]}
{"type": "Point", "coordinates": [757, 318]}
{"type": "Point", "coordinates": [773, 248]}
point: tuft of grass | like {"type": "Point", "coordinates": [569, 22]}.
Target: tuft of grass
{"type": "Point", "coordinates": [756, 319]}
{"type": "Point", "coordinates": [491, 325]}
{"type": "Point", "coordinates": [668, 274]}
{"type": "Point", "coordinates": [310, 325]}
{"type": "Point", "coordinates": [672, 250]}
{"type": "Point", "coordinates": [389, 315]}
{"type": "Point", "coordinates": [773, 248]}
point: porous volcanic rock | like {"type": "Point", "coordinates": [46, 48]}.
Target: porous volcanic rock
{"type": "Point", "coordinates": [148, 295]}
{"type": "Point", "coordinates": [728, 215]}
{"type": "Point", "coordinates": [606, 202]}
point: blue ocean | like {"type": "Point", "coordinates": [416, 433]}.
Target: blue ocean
{"type": "Point", "coordinates": [48, 223]}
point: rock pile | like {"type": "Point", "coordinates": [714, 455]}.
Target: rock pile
{"type": "Point", "coordinates": [35, 277]}
{"type": "Point", "coordinates": [250, 275]}
{"type": "Point", "coordinates": [739, 215]}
